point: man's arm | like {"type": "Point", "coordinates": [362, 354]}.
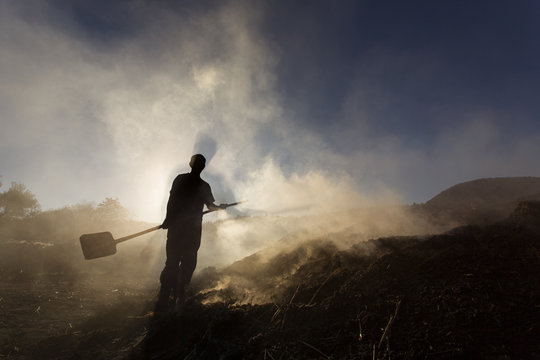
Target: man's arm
{"type": "Point", "coordinates": [210, 201]}
{"type": "Point", "coordinates": [167, 221]}
{"type": "Point", "coordinates": [171, 204]}
{"type": "Point", "coordinates": [214, 207]}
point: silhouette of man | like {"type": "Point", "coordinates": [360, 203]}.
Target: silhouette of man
{"type": "Point", "coordinates": [189, 193]}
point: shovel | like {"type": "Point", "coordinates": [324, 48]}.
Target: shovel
{"type": "Point", "coordinates": [102, 244]}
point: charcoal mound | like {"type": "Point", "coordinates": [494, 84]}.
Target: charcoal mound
{"type": "Point", "coordinates": [472, 292]}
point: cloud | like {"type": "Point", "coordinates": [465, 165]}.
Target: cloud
{"type": "Point", "coordinates": [88, 115]}
{"type": "Point", "coordinates": [311, 192]}
{"type": "Point", "coordinates": [132, 112]}
{"type": "Point", "coordinates": [479, 147]}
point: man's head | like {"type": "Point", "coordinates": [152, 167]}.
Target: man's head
{"type": "Point", "coordinates": [197, 163]}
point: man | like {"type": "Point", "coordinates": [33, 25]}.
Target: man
{"type": "Point", "coordinates": [189, 193]}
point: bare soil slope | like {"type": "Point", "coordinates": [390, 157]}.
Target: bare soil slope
{"type": "Point", "coordinates": [470, 293]}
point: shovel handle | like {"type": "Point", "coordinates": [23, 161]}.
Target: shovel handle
{"type": "Point", "coordinates": [228, 205]}
{"type": "Point", "coordinates": [125, 238]}
{"type": "Point", "coordinates": [129, 237]}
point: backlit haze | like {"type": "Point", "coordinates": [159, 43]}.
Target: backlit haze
{"type": "Point", "coordinates": [299, 107]}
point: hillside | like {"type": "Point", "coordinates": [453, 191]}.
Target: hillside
{"type": "Point", "coordinates": [482, 201]}
{"type": "Point", "coordinates": [353, 285]}
{"type": "Point", "coordinates": [468, 293]}
{"type": "Point", "coordinates": [472, 292]}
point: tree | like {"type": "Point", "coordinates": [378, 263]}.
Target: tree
{"type": "Point", "coordinates": [18, 202]}
{"type": "Point", "coordinates": [111, 209]}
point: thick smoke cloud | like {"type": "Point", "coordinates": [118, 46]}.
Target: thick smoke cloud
{"type": "Point", "coordinates": [121, 119]}
{"type": "Point", "coordinates": [88, 116]}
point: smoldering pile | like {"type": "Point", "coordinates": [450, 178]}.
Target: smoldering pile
{"type": "Point", "coordinates": [471, 292]}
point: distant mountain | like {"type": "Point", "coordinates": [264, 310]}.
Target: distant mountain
{"type": "Point", "coordinates": [482, 201]}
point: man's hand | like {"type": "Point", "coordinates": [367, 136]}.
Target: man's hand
{"type": "Point", "coordinates": [165, 224]}
{"type": "Point", "coordinates": [214, 207]}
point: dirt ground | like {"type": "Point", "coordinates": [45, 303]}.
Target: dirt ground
{"type": "Point", "coordinates": [470, 293]}
{"type": "Point", "coordinates": [44, 318]}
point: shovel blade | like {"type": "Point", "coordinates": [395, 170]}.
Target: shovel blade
{"type": "Point", "coordinates": [97, 245]}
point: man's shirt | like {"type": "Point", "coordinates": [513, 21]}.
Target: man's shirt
{"type": "Point", "coordinates": [189, 193]}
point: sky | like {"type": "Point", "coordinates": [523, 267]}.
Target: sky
{"type": "Point", "coordinates": [298, 106]}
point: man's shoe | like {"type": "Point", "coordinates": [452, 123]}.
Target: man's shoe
{"type": "Point", "coordinates": [180, 305]}
{"type": "Point", "coordinates": [162, 305]}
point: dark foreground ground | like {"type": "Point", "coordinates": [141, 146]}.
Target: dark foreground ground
{"type": "Point", "coordinates": [471, 293]}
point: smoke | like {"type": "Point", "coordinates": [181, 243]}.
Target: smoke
{"type": "Point", "coordinates": [205, 144]}
{"type": "Point", "coordinates": [119, 115]}
{"type": "Point", "coordinates": [125, 119]}
{"type": "Point", "coordinates": [260, 259]}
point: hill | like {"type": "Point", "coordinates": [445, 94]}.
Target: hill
{"type": "Point", "coordinates": [353, 285]}
{"type": "Point", "coordinates": [468, 293]}
{"type": "Point", "coordinates": [482, 201]}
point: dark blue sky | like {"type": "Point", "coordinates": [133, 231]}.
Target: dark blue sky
{"type": "Point", "coordinates": [423, 57]}
{"type": "Point", "coordinates": [449, 57]}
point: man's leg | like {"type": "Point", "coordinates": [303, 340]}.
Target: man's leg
{"type": "Point", "coordinates": [169, 276]}
{"type": "Point", "coordinates": [188, 258]}
{"type": "Point", "coordinates": [188, 263]}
